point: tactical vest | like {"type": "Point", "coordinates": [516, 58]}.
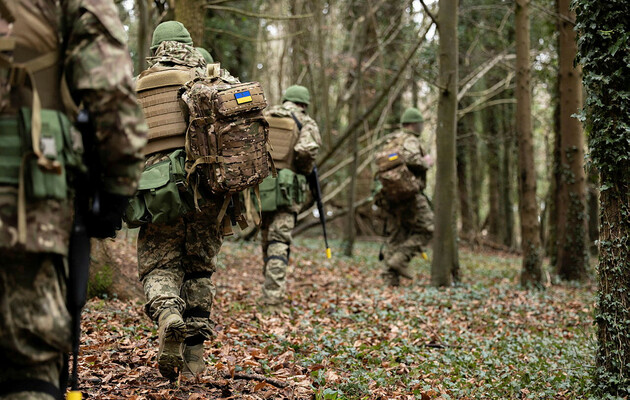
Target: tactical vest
{"type": "Point", "coordinates": [37, 141]}
{"type": "Point", "coordinates": [283, 136]}
{"type": "Point", "coordinates": [399, 183]}
{"type": "Point", "coordinates": [157, 89]}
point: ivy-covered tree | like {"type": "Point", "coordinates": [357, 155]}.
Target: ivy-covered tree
{"type": "Point", "coordinates": [604, 52]}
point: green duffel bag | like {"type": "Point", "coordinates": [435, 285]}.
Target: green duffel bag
{"type": "Point", "coordinates": [163, 194]}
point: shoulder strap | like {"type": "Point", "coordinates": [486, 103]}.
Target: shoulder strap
{"type": "Point", "coordinates": [297, 122]}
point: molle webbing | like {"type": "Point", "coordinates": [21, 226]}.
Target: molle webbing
{"type": "Point", "coordinates": [157, 93]}
{"type": "Point", "coordinates": [283, 135]}
{"type": "Point", "coordinates": [10, 151]}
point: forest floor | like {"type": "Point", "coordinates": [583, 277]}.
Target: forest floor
{"type": "Point", "coordinates": [348, 337]}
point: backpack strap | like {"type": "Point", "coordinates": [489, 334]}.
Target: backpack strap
{"type": "Point", "coordinates": [6, 12]}
{"type": "Point", "coordinates": [297, 121]}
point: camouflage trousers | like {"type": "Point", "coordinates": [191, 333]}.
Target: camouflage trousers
{"type": "Point", "coordinates": [176, 263]}
{"type": "Point", "coordinates": [35, 326]}
{"type": "Point", "coordinates": [276, 228]}
{"type": "Point", "coordinates": [412, 230]}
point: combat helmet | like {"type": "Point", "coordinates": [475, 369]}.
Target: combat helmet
{"type": "Point", "coordinates": [411, 116]}
{"type": "Point", "coordinates": [297, 94]}
{"type": "Point", "coordinates": [206, 55]}
{"type": "Point", "coordinates": [170, 31]}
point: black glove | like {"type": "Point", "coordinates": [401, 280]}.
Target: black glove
{"type": "Point", "coordinates": [105, 218]}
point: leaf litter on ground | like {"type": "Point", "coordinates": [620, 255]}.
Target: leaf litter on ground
{"type": "Point", "coordinates": [349, 337]}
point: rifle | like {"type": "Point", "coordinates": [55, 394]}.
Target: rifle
{"type": "Point", "coordinates": [313, 183]}
{"type": "Point", "coordinates": [86, 202]}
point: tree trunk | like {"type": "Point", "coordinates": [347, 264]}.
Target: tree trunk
{"type": "Point", "coordinates": [323, 76]}
{"type": "Point", "coordinates": [494, 210]}
{"type": "Point", "coordinates": [143, 35]}
{"type": "Point", "coordinates": [506, 177]}
{"type": "Point", "coordinates": [463, 180]}
{"type": "Point", "coordinates": [572, 259]}
{"type": "Point", "coordinates": [531, 273]}
{"type": "Point", "coordinates": [192, 14]}
{"type": "Point", "coordinates": [351, 231]}
{"type": "Point", "coordinates": [445, 261]}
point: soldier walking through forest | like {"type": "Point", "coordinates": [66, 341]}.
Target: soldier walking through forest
{"type": "Point", "coordinates": [295, 138]}
{"type": "Point", "coordinates": [41, 162]}
{"type": "Point", "coordinates": [402, 167]}
{"type": "Point", "coordinates": [176, 260]}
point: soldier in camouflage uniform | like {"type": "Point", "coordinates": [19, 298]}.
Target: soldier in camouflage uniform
{"type": "Point", "coordinates": [35, 326]}
{"type": "Point", "coordinates": [412, 220]}
{"type": "Point", "coordinates": [176, 261]}
{"type": "Point", "coordinates": [276, 226]}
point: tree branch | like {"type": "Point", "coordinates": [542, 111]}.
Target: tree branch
{"type": "Point", "coordinates": [390, 85]}
{"type": "Point", "coordinates": [426, 10]}
{"type": "Point", "coordinates": [250, 39]}
{"type": "Point", "coordinates": [255, 15]}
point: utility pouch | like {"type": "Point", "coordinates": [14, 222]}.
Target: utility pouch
{"type": "Point", "coordinates": [55, 145]}
{"type": "Point", "coordinates": [286, 190]}
{"type": "Point", "coordinates": [267, 189]}
{"type": "Point", "coordinates": [163, 194]}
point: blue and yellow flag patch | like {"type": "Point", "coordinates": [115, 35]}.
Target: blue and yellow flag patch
{"type": "Point", "coordinates": [393, 157]}
{"type": "Point", "coordinates": [243, 97]}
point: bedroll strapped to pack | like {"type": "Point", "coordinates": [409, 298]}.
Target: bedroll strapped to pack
{"type": "Point", "coordinates": [227, 145]}
{"type": "Point", "coordinates": [283, 135]}
{"type": "Point", "coordinates": [157, 90]}
{"type": "Point", "coordinates": [399, 183]}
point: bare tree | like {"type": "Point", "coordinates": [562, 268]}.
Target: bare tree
{"type": "Point", "coordinates": [445, 261]}
{"type": "Point", "coordinates": [571, 228]}
{"type": "Point", "coordinates": [532, 263]}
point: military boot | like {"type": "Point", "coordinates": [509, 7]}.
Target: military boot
{"type": "Point", "coordinates": [171, 330]}
{"type": "Point", "coordinates": [391, 278]}
{"type": "Point", "coordinates": [194, 363]}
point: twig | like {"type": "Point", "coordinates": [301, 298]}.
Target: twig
{"type": "Point", "coordinates": [256, 377]}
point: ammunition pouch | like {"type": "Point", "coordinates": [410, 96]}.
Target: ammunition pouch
{"type": "Point", "coordinates": [286, 190]}
{"type": "Point", "coordinates": [163, 193]}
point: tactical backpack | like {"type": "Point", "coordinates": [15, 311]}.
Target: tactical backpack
{"type": "Point", "coordinates": [399, 183]}
{"type": "Point", "coordinates": [227, 149]}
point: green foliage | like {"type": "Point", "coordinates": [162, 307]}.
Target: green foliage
{"type": "Point", "coordinates": [231, 38]}
{"type": "Point", "coordinates": [604, 52]}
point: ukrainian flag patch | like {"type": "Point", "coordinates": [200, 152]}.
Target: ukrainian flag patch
{"type": "Point", "coordinates": [243, 97]}
{"type": "Point", "coordinates": [393, 157]}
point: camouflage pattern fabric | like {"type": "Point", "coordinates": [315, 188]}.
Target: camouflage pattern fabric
{"type": "Point", "coordinates": [276, 231]}
{"type": "Point", "coordinates": [309, 139]}
{"type": "Point", "coordinates": [34, 323]}
{"type": "Point", "coordinates": [176, 263]}
{"type": "Point", "coordinates": [35, 327]}
{"type": "Point", "coordinates": [171, 53]}
{"type": "Point", "coordinates": [277, 226]}
{"type": "Point", "coordinates": [98, 71]}
{"type": "Point", "coordinates": [410, 222]}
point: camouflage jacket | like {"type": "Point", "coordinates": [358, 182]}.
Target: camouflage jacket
{"type": "Point", "coordinates": [98, 71]}
{"type": "Point", "coordinates": [309, 139]}
{"type": "Point", "coordinates": [412, 152]}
